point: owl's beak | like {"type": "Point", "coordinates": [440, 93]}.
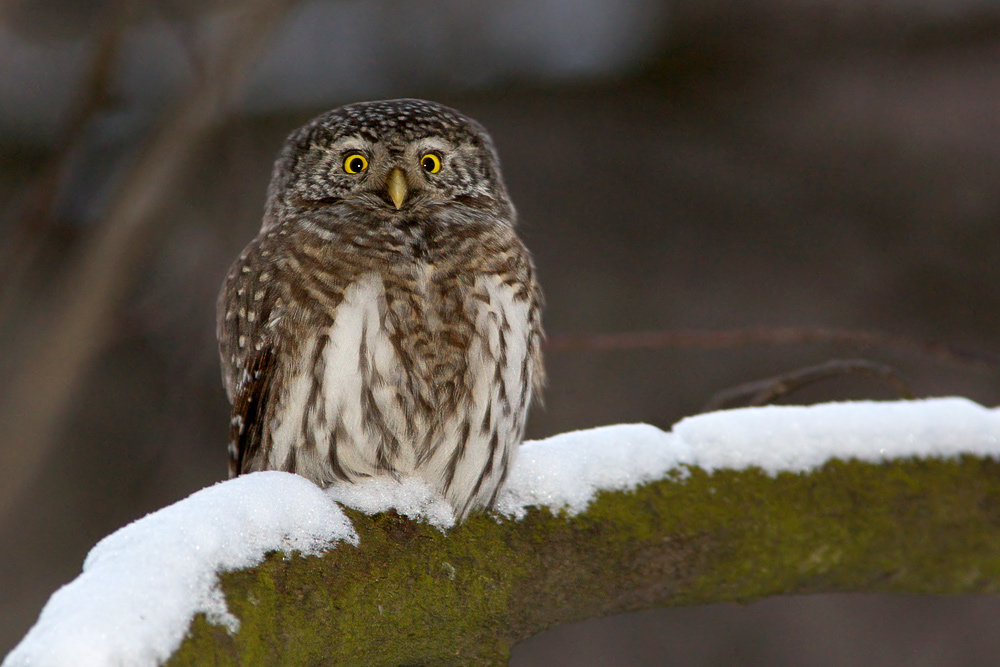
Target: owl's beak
{"type": "Point", "coordinates": [396, 185]}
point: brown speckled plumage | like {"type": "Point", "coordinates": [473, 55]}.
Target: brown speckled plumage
{"type": "Point", "coordinates": [363, 336]}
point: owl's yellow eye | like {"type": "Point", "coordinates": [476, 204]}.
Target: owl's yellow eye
{"type": "Point", "coordinates": [431, 163]}
{"type": "Point", "coordinates": [355, 163]}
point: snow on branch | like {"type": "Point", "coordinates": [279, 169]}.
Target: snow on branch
{"type": "Point", "coordinates": [703, 513]}
{"type": "Point", "coordinates": [142, 585]}
{"type": "Point", "coordinates": [567, 470]}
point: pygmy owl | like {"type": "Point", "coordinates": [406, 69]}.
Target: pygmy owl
{"type": "Point", "coordinates": [386, 319]}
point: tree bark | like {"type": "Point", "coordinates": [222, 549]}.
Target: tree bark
{"type": "Point", "coordinates": [412, 595]}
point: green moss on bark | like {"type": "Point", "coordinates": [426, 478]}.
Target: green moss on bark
{"type": "Point", "coordinates": [410, 595]}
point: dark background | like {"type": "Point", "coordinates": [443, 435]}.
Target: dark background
{"type": "Point", "coordinates": [694, 165]}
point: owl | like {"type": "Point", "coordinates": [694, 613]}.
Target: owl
{"type": "Point", "coordinates": [385, 322]}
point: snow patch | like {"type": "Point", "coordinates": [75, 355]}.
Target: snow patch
{"type": "Point", "coordinates": [142, 585]}
{"type": "Point", "coordinates": [566, 471]}
{"type": "Point", "coordinates": [794, 438]}
{"type": "Point", "coordinates": [410, 496]}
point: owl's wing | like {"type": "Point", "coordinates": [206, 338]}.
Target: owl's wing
{"type": "Point", "coordinates": [250, 404]}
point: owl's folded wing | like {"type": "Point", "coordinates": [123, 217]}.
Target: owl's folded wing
{"type": "Point", "coordinates": [250, 404]}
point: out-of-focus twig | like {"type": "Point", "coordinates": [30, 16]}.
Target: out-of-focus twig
{"type": "Point", "coordinates": [942, 352]}
{"type": "Point", "coordinates": [185, 39]}
{"type": "Point", "coordinates": [34, 216]}
{"type": "Point", "coordinates": [762, 392]}
{"type": "Point", "coordinates": [43, 385]}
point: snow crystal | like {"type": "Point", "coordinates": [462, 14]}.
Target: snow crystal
{"type": "Point", "coordinates": [142, 585]}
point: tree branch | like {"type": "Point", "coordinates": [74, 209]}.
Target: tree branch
{"type": "Point", "coordinates": [945, 353]}
{"type": "Point", "coordinates": [34, 216]}
{"type": "Point", "coordinates": [410, 595]}
{"type": "Point", "coordinates": [768, 390]}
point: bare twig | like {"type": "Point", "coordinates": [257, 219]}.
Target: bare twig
{"type": "Point", "coordinates": [42, 387]}
{"type": "Point", "coordinates": [942, 352]}
{"type": "Point", "coordinates": [35, 214]}
{"type": "Point", "coordinates": [762, 392]}
{"type": "Point", "coordinates": [185, 39]}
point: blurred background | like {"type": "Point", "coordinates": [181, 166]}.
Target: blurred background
{"type": "Point", "coordinates": [682, 164]}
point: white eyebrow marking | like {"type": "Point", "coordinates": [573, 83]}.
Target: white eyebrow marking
{"type": "Point", "coordinates": [352, 142]}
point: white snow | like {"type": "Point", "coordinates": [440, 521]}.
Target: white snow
{"type": "Point", "coordinates": [410, 496]}
{"type": "Point", "coordinates": [141, 586]}
{"type": "Point", "coordinates": [565, 472]}
{"type": "Point", "coordinates": [796, 438]}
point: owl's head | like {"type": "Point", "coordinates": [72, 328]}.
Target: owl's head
{"type": "Point", "coordinates": [389, 160]}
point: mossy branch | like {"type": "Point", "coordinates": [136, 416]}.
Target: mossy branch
{"type": "Point", "coordinates": [410, 595]}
